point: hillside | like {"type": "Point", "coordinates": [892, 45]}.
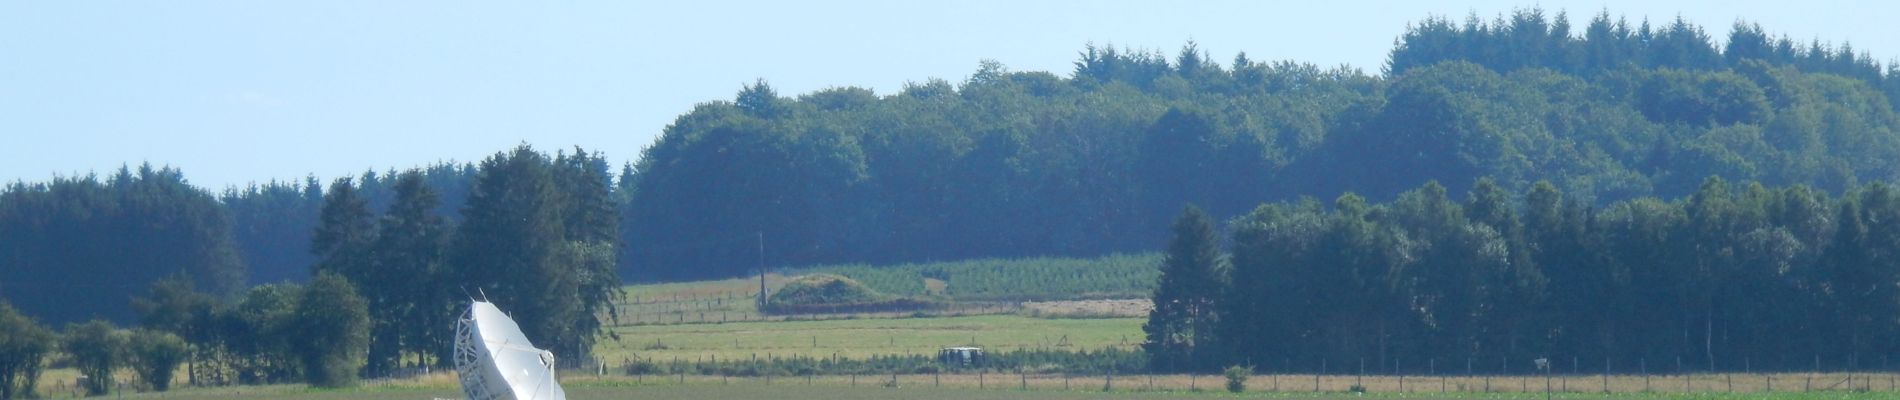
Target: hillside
{"type": "Point", "coordinates": [1017, 164]}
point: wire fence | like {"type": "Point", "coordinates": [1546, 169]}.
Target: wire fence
{"type": "Point", "coordinates": [1308, 383]}
{"type": "Point", "coordinates": [1111, 370]}
{"type": "Point", "coordinates": [732, 306]}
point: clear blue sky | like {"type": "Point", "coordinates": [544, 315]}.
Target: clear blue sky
{"type": "Point", "coordinates": [243, 91]}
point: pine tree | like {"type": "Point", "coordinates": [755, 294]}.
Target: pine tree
{"type": "Point", "coordinates": [1181, 325]}
{"type": "Point", "coordinates": [592, 233]}
{"type": "Point", "coordinates": [515, 246]}
{"type": "Point", "coordinates": [345, 243]}
{"type": "Point", "coordinates": [344, 231]}
{"type": "Point", "coordinates": [411, 247]}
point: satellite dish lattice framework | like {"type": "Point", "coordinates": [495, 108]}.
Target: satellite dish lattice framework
{"type": "Point", "coordinates": [495, 361]}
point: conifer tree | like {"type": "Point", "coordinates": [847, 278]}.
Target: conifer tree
{"type": "Point", "coordinates": [518, 245]}
{"type": "Point", "coordinates": [345, 229]}
{"type": "Point", "coordinates": [411, 247]}
{"type": "Point", "coordinates": [1181, 325]}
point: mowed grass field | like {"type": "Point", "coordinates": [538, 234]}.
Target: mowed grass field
{"type": "Point", "coordinates": [864, 337]}
{"type": "Point", "coordinates": [718, 320]}
{"type": "Point", "coordinates": [956, 387]}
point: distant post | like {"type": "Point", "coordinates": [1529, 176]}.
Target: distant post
{"type": "Point", "coordinates": [761, 235]}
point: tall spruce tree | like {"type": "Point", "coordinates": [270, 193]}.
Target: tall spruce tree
{"type": "Point", "coordinates": [592, 233]}
{"type": "Point", "coordinates": [1181, 325]}
{"type": "Point", "coordinates": [76, 248]}
{"type": "Point", "coordinates": [345, 244]}
{"type": "Point", "coordinates": [345, 229]}
{"type": "Point", "coordinates": [517, 245]}
{"type": "Point", "coordinates": [411, 248]}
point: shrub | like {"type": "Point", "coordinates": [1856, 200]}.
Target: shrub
{"type": "Point", "coordinates": [332, 332]}
{"type": "Point", "coordinates": [24, 345]}
{"type": "Point", "coordinates": [96, 348]}
{"type": "Point", "coordinates": [1237, 378]}
{"type": "Point", "coordinates": [155, 355]}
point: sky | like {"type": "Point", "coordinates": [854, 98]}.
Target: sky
{"type": "Point", "coordinates": [241, 92]}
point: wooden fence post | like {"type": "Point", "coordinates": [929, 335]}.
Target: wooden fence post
{"type": "Point", "coordinates": [1685, 374]}
{"type": "Point", "coordinates": [1322, 371]}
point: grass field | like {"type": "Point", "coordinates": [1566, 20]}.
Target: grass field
{"type": "Point", "coordinates": [956, 288]}
{"type": "Point", "coordinates": [1008, 386]}
{"type": "Point", "coordinates": [1046, 278]}
{"type": "Point", "coordinates": [670, 334]}
{"type": "Point", "coordinates": [860, 338]}
{"type": "Point", "coordinates": [669, 303]}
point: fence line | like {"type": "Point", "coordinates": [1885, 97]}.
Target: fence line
{"type": "Point", "coordinates": [1103, 369]}
{"type": "Point", "coordinates": [1305, 383]}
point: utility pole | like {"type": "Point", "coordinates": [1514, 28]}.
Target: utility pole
{"type": "Point", "coordinates": [761, 270]}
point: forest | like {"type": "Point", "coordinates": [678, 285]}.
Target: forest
{"type": "Point", "coordinates": [534, 231]}
{"type": "Point", "coordinates": [1606, 119]}
{"type": "Point", "coordinates": [1023, 164]}
{"type": "Point", "coordinates": [1728, 278]}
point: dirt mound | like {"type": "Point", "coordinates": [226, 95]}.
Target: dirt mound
{"type": "Point", "coordinates": [824, 289]}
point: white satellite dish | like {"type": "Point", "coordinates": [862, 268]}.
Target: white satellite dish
{"type": "Point", "coordinates": [495, 361]}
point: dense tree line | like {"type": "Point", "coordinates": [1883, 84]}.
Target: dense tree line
{"type": "Point", "coordinates": [271, 333]}
{"type": "Point", "coordinates": [75, 249]}
{"type": "Point", "coordinates": [1019, 164]}
{"type": "Point", "coordinates": [272, 223]}
{"type": "Point", "coordinates": [536, 234]}
{"type": "Point", "coordinates": [277, 334]}
{"type": "Point", "coordinates": [1608, 111]}
{"type": "Point", "coordinates": [1529, 38]}
{"type": "Point", "coordinates": [1727, 278]}
{"type": "Point", "coordinates": [940, 171]}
